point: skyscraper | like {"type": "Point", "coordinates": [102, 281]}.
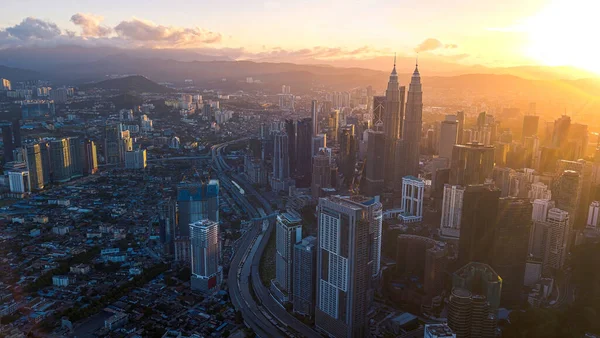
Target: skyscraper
{"type": "Point", "coordinates": [135, 159]}
{"type": "Point", "coordinates": [412, 199]}
{"type": "Point", "coordinates": [392, 124]}
{"type": "Point", "coordinates": [471, 163]}
{"type": "Point", "coordinates": [555, 240]}
{"type": "Point", "coordinates": [90, 157]}
{"type": "Point", "coordinates": [318, 141]}
{"type": "Point", "coordinates": [195, 202]}
{"type": "Point", "coordinates": [315, 117]}
{"type": "Point", "coordinates": [530, 126]}
{"type": "Point", "coordinates": [205, 253]}
{"type": "Point", "coordinates": [304, 146]}
{"type": "Point", "coordinates": [288, 233]}
{"type": "Point", "coordinates": [321, 173]}
{"type": "Point", "coordinates": [35, 167]}
{"type": "Point", "coordinates": [378, 112]}
{"type": "Point", "coordinates": [348, 263]}
{"type": "Point", "coordinates": [281, 162]}
{"type": "Point", "coordinates": [375, 169]}
{"type": "Point", "coordinates": [305, 269]}
{"type": "Point", "coordinates": [61, 160]}
{"type": "Point", "coordinates": [11, 138]}
{"type": "Point", "coordinates": [167, 216]}
{"type": "Point", "coordinates": [567, 194]}
{"type": "Point", "coordinates": [448, 136]}
{"type": "Point", "coordinates": [593, 219]}
{"type": "Point", "coordinates": [347, 142]}
{"type": "Point", "coordinates": [511, 241]}
{"type": "Point", "coordinates": [452, 206]}
{"type": "Point", "coordinates": [460, 118]}
{"type": "Point", "coordinates": [478, 220]}
{"type": "Point", "coordinates": [413, 124]}
{"type": "Point", "coordinates": [290, 130]}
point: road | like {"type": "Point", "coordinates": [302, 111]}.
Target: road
{"type": "Point", "coordinates": [247, 261]}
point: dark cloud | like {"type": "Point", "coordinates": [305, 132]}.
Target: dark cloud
{"type": "Point", "coordinates": [148, 32]}
{"type": "Point", "coordinates": [90, 25]}
{"type": "Point", "coordinates": [32, 28]}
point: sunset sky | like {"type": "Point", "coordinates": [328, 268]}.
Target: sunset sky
{"type": "Point", "coordinates": [484, 32]}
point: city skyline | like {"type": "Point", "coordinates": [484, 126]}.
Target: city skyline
{"type": "Point", "coordinates": [512, 33]}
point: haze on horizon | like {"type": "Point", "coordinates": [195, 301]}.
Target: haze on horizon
{"type": "Point", "coordinates": [462, 32]}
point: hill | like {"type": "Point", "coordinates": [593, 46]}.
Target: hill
{"type": "Point", "coordinates": [18, 74]}
{"type": "Point", "coordinates": [135, 83]}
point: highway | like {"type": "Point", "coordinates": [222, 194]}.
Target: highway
{"type": "Point", "coordinates": [268, 316]}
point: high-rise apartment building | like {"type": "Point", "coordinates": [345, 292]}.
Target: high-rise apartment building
{"type": "Point", "coordinates": [540, 209]}
{"type": "Point", "coordinates": [35, 167]}
{"type": "Point", "coordinates": [530, 126]}
{"type": "Point", "coordinates": [348, 263]}
{"type": "Point", "coordinates": [478, 219]}
{"type": "Point", "coordinates": [452, 206]}
{"type": "Point", "coordinates": [288, 232]}
{"type": "Point", "coordinates": [135, 159]}
{"type": "Point", "coordinates": [90, 165]}
{"type": "Point", "coordinates": [593, 219]}
{"type": "Point", "coordinates": [412, 199]}
{"type": "Point", "coordinates": [305, 270]}
{"type": "Point", "coordinates": [290, 130]}
{"type": "Point", "coordinates": [555, 240]}
{"type": "Point", "coordinates": [321, 173]}
{"type": "Point", "coordinates": [61, 160]}
{"type": "Point", "coordinates": [11, 138]}
{"type": "Point", "coordinates": [205, 254]}
{"type": "Point", "coordinates": [281, 161]}
{"type": "Point", "coordinates": [471, 163]}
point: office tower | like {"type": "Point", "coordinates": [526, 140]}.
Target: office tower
{"type": "Point", "coordinates": [460, 119]}
{"type": "Point", "coordinates": [530, 126]}
{"type": "Point", "coordinates": [315, 117]}
{"type": "Point", "coordinates": [540, 209]}
{"type": "Point", "coordinates": [61, 160]}
{"type": "Point", "coordinates": [135, 159]}
{"type": "Point", "coordinates": [412, 199]}
{"type": "Point", "coordinates": [531, 145]}
{"type": "Point", "coordinates": [167, 216]}
{"type": "Point", "coordinates": [555, 240]}
{"type": "Point", "coordinates": [560, 132]}
{"type": "Point", "coordinates": [288, 232]}
{"type": "Point", "coordinates": [511, 241]}
{"type": "Point", "coordinates": [321, 173]}
{"type": "Point", "coordinates": [90, 157]}
{"type": "Point", "coordinates": [318, 141]}
{"type": "Point", "coordinates": [378, 112]}
{"type": "Point", "coordinates": [413, 124]}
{"type": "Point", "coordinates": [305, 269]}
{"type": "Point", "coordinates": [205, 253]}
{"type": "Point", "coordinates": [438, 331]}
{"type": "Point", "coordinates": [375, 169]}
{"type": "Point", "coordinates": [477, 222]}
{"type": "Point", "coordinates": [5, 84]}
{"type": "Point", "coordinates": [501, 178]}
{"type": "Point", "coordinates": [114, 144]}
{"type": "Point", "coordinates": [290, 130]}
{"type": "Point", "coordinates": [35, 167]}
{"type": "Point", "coordinates": [304, 147]}
{"type": "Point", "coordinates": [348, 263]}
{"type": "Point", "coordinates": [567, 194]}
{"type": "Point", "coordinates": [281, 169]}
{"type": "Point", "coordinates": [77, 151]}
{"type": "Point", "coordinates": [424, 258]}
{"type": "Point", "coordinates": [452, 206]}
{"type": "Point", "coordinates": [471, 163]}
{"type": "Point", "coordinates": [392, 124]}
{"type": "Point", "coordinates": [347, 143]}
{"type": "Point", "coordinates": [11, 138]}
{"type": "Point", "coordinates": [448, 136]}
{"type": "Point", "coordinates": [593, 218]}
{"type": "Point", "coordinates": [577, 142]}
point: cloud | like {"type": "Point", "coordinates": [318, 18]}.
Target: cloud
{"type": "Point", "coordinates": [433, 44]}
{"type": "Point", "coordinates": [90, 25]}
{"type": "Point", "coordinates": [429, 44]}
{"type": "Point", "coordinates": [148, 32]}
{"type": "Point", "coordinates": [32, 28]}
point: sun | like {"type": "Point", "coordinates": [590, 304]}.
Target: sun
{"type": "Point", "coordinates": [565, 32]}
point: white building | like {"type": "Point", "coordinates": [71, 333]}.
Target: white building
{"type": "Point", "coordinates": [18, 181]}
{"type": "Point", "coordinates": [175, 143]}
{"type": "Point", "coordinates": [556, 238]}
{"type": "Point", "coordinates": [288, 232]}
{"type": "Point", "coordinates": [412, 199]}
{"type": "Point", "coordinates": [539, 191]}
{"type": "Point", "coordinates": [135, 159]}
{"type": "Point", "coordinates": [60, 280]}
{"type": "Point", "coordinates": [593, 215]}
{"type": "Point", "coordinates": [205, 253]}
{"type": "Point", "coordinates": [452, 204]}
{"type": "Point", "coordinates": [540, 209]}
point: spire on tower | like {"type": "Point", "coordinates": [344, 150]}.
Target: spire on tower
{"type": "Point", "coordinates": [394, 70]}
